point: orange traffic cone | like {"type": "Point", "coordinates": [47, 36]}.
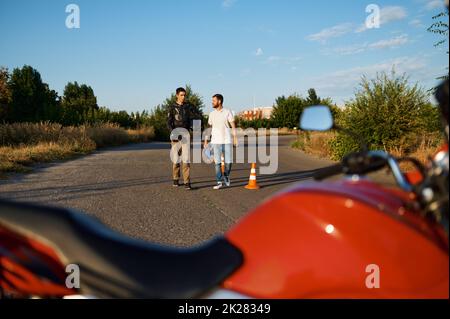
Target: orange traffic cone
{"type": "Point", "coordinates": [252, 184]}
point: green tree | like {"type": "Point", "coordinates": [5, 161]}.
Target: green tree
{"type": "Point", "coordinates": [103, 115]}
{"type": "Point", "coordinates": [387, 112]}
{"type": "Point", "coordinates": [52, 106]}
{"type": "Point", "coordinates": [256, 124]}
{"type": "Point", "coordinates": [5, 95]}
{"type": "Point", "coordinates": [122, 118]}
{"type": "Point", "coordinates": [78, 102]}
{"type": "Point", "coordinates": [287, 110]}
{"type": "Point", "coordinates": [158, 119]}
{"type": "Point", "coordinates": [440, 27]}
{"type": "Point", "coordinates": [142, 119]}
{"type": "Point", "coordinates": [313, 99]}
{"type": "Point", "coordinates": [31, 99]}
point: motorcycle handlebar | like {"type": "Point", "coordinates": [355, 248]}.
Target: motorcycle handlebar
{"type": "Point", "coordinates": [328, 172]}
{"type": "Point", "coordinates": [395, 169]}
{"type": "Point", "coordinates": [387, 158]}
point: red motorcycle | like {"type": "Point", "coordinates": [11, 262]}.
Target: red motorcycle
{"type": "Point", "coordinates": [352, 238]}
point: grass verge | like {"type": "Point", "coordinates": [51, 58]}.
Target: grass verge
{"type": "Point", "coordinates": [24, 144]}
{"type": "Point", "coordinates": [318, 144]}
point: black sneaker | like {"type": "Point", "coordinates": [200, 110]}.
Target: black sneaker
{"type": "Point", "coordinates": [175, 183]}
{"type": "Point", "coordinates": [187, 186]}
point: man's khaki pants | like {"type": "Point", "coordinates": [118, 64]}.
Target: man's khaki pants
{"type": "Point", "coordinates": [180, 154]}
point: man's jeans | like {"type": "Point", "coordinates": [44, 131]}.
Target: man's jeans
{"type": "Point", "coordinates": [227, 151]}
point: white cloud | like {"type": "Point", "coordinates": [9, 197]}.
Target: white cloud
{"type": "Point", "coordinates": [390, 43]}
{"type": "Point", "coordinates": [416, 23]}
{"type": "Point", "coordinates": [387, 14]}
{"type": "Point", "coordinates": [360, 48]}
{"type": "Point", "coordinates": [392, 13]}
{"type": "Point", "coordinates": [275, 60]}
{"type": "Point", "coordinates": [333, 32]}
{"type": "Point", "coordinates": [336, 83]}
{"type": "Point", "coordinates": [347, 50]}
{"type": "Point", "coordinates": [259, 52]}
{"type": "Point", "coordinates": [228, 3]}
{"type": "Point", "coordinates": [434, 4]}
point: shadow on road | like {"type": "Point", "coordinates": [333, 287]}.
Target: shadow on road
{"type": "Point", "coordinates": [135, 147]}
{"type": "Point", "coordinates": [83, 190]}
{"type": "Point", "coordinates": [66, 192]}
{"type": "Point", "coordinates": [264, 180]}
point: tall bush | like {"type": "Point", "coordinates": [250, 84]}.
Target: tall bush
{"type": "Point", "coordinates": [387, 112]}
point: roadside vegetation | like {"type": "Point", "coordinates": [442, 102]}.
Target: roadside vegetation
{"type": "Point", "coordinates": [25, 144]}
{"type": "Point", "coordinates": [319, 144]}
{"type": "Point", "coordinates": [389, 113]}
{"type": "Point", "coordinates": [37, 125]}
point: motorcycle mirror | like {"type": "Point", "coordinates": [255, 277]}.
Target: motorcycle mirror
{"type": "Point", "coordinates": [316, 118]}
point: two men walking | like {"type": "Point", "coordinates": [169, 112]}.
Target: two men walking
{"type": "Point", "coordinates": [223, 127]}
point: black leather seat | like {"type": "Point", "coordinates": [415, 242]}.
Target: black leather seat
{"type": "Point", "coordinates": [115, 266]}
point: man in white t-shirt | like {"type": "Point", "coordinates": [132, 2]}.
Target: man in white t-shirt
{"type": "Point", "coordinates": [222, 122]}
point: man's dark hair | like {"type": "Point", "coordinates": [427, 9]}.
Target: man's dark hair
{"type": "Point", "coordinates": [219, 97]}
{"type": "Point", "coordinates": [179, 90]}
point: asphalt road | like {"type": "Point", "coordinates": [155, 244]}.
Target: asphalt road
{"type": "Point", "coordinates": [129, 188]}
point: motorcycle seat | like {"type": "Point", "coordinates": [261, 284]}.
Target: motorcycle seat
{"type": "Point", "coordinates": [115, 266]}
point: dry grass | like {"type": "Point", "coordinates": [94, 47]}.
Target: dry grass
{"type": "Point", "coordinates": [19, 159]}
{"type": "Point", "coordinates": [426, 145]}
{"type": "Point", "coordinates": [317, 144]}
{"type": "Point", "coordinates": [23, 144]}
{"type": "Point", "coordinates": [142, 135]}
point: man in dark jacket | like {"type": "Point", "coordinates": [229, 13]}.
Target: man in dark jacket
{"type": "Point", "coordinates": [180, 117]}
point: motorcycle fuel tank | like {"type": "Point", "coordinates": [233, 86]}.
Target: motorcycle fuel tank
{"type": "Point", "coordinates": [339, 240]}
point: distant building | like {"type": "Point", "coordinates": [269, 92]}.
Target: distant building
{"type": "Point", "coordinates": [257, 113]}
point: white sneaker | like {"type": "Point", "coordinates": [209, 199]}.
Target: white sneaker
{"type": "Point", "coordinates": [218, 186]}
{"type": "Point", "coordinates": [227, 181]}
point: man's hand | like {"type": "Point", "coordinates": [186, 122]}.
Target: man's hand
{"type": "Point", "coordinates": [235, 142]}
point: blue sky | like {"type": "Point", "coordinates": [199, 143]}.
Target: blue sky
{"type": "Point", "coordinates": [135, 53]}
